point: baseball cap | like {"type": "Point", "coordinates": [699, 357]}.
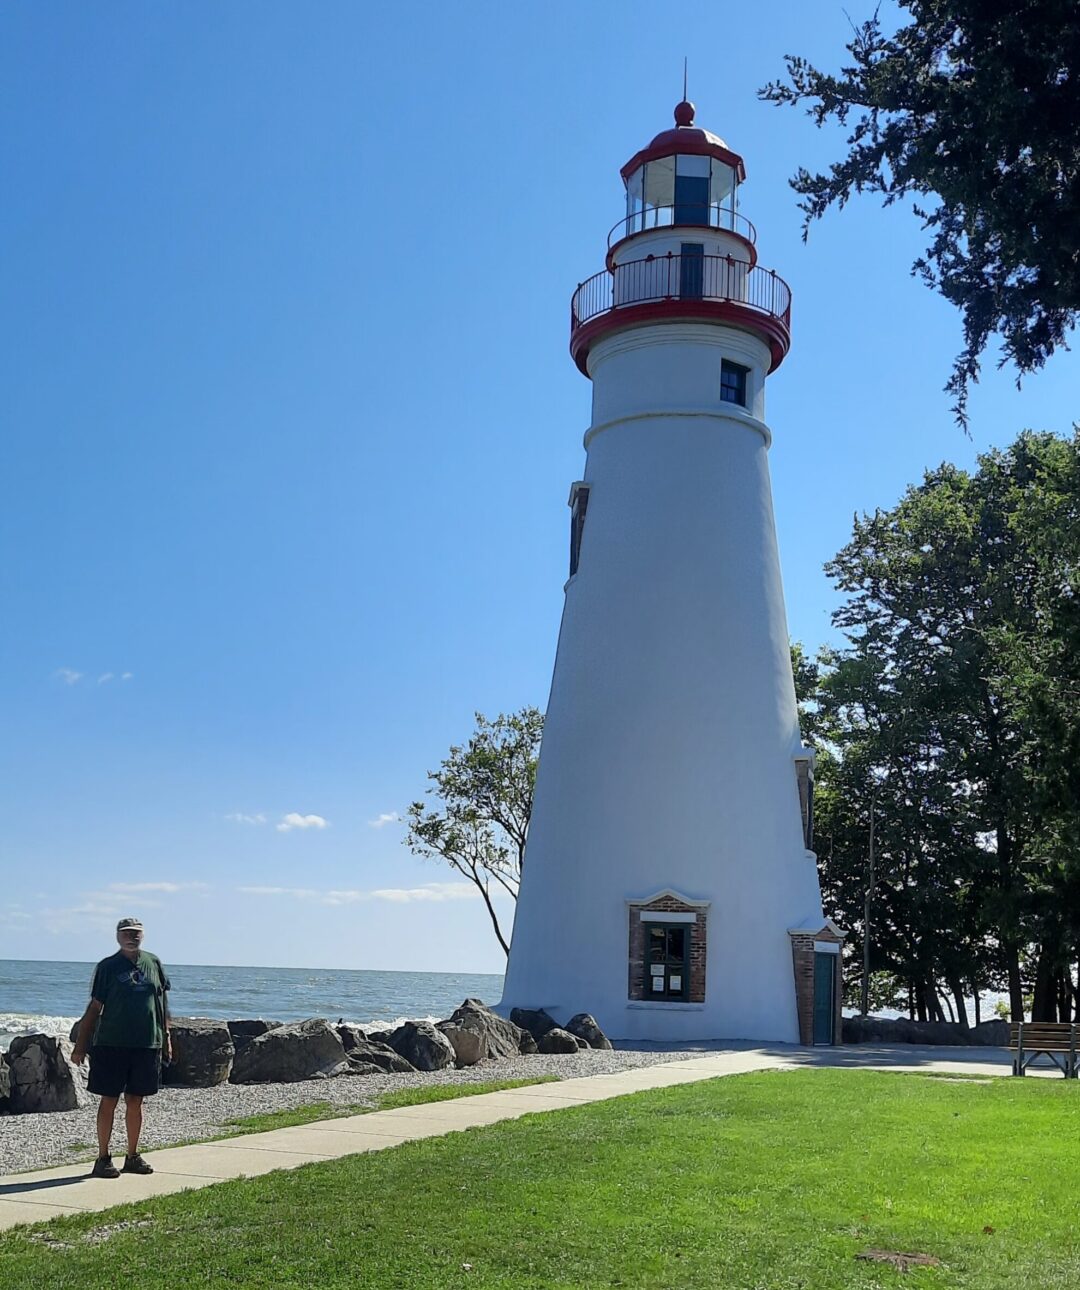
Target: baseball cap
{"type": "Point", "coordinates": [130, 925]}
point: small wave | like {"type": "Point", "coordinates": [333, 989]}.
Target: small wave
{"type": "Point", "coordinates": [13, 1024]}
{"type": "Point", "coordinates": [380, 1024]}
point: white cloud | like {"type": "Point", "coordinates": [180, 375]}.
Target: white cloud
{"type": "Point", "coordinates": [68, 675]}
{"type": "Point", "coordinates": [105, 677]}
{"type": "Point", "coordinates": [431, 891]}
{"type": "Point", "coordinates": [126, 676]}
{"type": "Point", "coordinates": [381, 821]}
{"type": "Point", "coordinates": [239, 817]}
{"type": "Point", "coordinates": [169, 888]}
{"type": "Point", "coordinates": [300, 893]}
{"type": "Point", "coordinates": [294, 820]}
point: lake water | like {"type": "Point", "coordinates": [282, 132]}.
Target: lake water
{"type": "Point", "coordinates": [48, 997]}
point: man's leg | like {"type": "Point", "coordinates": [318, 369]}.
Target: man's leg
{"type": "Point", "coordinates": [105, 1112]}
{"type": "Point", "coordinates": [133, 1119]}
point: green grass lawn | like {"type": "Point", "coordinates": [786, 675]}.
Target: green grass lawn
{"type": "Point", "coordinates": [771, 1181]}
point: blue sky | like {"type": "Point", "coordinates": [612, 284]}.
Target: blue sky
{"type": "Point", "coordinates": [289, 424]}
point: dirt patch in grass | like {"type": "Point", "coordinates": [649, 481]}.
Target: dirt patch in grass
{"type": "Point", "coordinates": [901, 1261]}
{"type": "Point", "coordinates": [95, 1236]}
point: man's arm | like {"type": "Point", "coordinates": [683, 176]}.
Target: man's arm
{"type": "Point", "coordinates": [166, 1019]}
{"type": "Point", "coordinates": [86, 1029]}
{"type": "Point", "coordinates": [166, 1047]}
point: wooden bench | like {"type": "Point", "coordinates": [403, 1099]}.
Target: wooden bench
{"type": "Point", "coordinates": [1053, 1039]}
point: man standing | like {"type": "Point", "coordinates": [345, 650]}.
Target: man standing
{"type": "Point", "coordinates": [129, 1021]}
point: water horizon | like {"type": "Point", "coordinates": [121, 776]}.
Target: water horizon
{"type": "Point", "coordinates": [49, 995]}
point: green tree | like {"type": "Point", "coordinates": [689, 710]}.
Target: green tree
{"type": "Point", "coordinates": [973, 109]}
{"type": "Point", "coordinates": [957, 702]}
{"type": "Point", "coordinates": [483, 793]}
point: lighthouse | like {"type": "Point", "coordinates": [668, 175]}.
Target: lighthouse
{"type": "Point", "coordinates": [669, 885]}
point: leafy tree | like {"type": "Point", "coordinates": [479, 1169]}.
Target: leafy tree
{"type": "Point", "coordinates": [973, 108]}
{"type": "Point", "coordinates": [484, 795]}
{"type": "Point", "coordinates": [954, 710]}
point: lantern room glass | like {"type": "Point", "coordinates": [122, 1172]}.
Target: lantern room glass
{"type": "Point", "coordinates": [684, 189]}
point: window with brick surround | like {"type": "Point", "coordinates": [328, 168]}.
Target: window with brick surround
{"type": "Point", "coordinates": [667, 949]}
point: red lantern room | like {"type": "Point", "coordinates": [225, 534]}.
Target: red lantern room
{"type": "Point", "coordinates": [683, 250]}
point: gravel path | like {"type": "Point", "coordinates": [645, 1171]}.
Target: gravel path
{"type": "Point", "coordinates": [187, 1114]}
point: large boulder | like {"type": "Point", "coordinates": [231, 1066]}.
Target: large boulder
{"type": "Point", "coordinates": [350, 1036]}
{"type": "Point", "coordinates": [286, 1054]}
{"type": "Point", "coordinates": [243, 1032]}
{"type": "Point", "coordinates": [202, 1052]}
{"type": "Point", "coordinates": [478, 1033]}
{"type": "Point", "coordinates": [469, 1046]}
{"type": "Point", "coordinates": [41, 1077]}
{"type": "Point", "coordinates": [357, 1067]}
{"type": "Point", "coordinates": [5, 1086]}
{"type": "Point", "coordinates": [557, 1040]}
{"type": "Point", "coordinates": [381, 1056]}
{"type": "Point", "coordinates": [584, 1026]}
{"type": "Point", "coordinates": [422, 1046]}
{"type": "Point", "coordinates": [535, 1020]}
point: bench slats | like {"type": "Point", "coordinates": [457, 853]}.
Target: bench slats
{"type": "Point", "coordinates": [1031, 1039]}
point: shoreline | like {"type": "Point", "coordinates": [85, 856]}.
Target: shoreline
{"type": "Point", "coordinates": [39, 1140]}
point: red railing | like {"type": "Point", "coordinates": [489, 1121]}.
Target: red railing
{"type": "Point", "coordinates": [686, 278]}
{"type": "Point", "coordinates": [644, 221]}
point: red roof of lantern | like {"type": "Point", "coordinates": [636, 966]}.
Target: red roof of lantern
{"type": "Point", "coordinates": [687, 139]}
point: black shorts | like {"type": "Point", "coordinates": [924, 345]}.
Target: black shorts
{"type": "Point", "coordinates": [124, 1070]}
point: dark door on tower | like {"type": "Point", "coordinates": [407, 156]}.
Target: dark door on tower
{"type": "Point", "coordinates": [692, 197]}
{"type": "Point", "coordinates": [692, 270]}
{"type": "Point", "coordinates": [667, 960]}
{"type": "Point", "coordinates": [824, 998]}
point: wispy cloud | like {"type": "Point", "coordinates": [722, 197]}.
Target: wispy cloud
{"type": "Point", "coordinates": [294, 820]}
{"type": "Point", "coordinates": [99, 910]}
{"type": "Point", "coordinates": [70, 676]}
{"type": "Point", "coordinates": [381, 821]}
{"type": "Point", "coordinates": [429, 892]}
{"type": "Point", "coordinates": [240, 817]}
{"type": "Point", "coordinates": [168, 888]}
{"type": "Point", "coordinates": [300, 893]}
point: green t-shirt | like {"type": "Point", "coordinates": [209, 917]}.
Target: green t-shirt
{"type": "Point", "coordinates": [132, 995]}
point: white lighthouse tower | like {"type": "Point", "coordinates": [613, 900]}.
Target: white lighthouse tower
{"type": "Point", "coordinates": [669, 887]}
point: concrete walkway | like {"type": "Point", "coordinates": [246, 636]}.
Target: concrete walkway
{"type": "Point", "coordinates": [67, 1189]}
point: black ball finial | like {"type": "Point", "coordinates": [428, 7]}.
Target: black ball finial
{"type": "Point", "coordinates": [684, 113]}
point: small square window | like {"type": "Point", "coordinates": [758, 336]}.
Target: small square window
{"type": "Point", "coordinates": [733, 383]}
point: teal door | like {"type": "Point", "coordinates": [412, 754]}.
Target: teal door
{"type": "Point", "coordinates": [824, 998]}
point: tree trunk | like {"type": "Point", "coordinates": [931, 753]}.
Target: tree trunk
{"type": "Point", "coordinates": [978, 1003]}
{"type": "Point", "coordinates": [1044, 999]}
{"type": "Point", "coordinates": [920, 1001]}
{"type": "Point", "coordinates": [958, 998]}
{"type": "Point", "coordinates": [1016, 986]}
{"type": "Point", "coordinates": [1064, 989]}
